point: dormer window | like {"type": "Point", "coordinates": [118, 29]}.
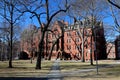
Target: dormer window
{"type": "Point", "coordinates": [68, 33]}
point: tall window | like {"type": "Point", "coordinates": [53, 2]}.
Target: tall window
{"type": "Point", "coordinates": [68, 40]}
{"type": "Point", "coordinates": [77, 40]}
{"type": "Point", "coordinates": [77, 33]}
{"type": "Point", "coordinates": [68, 47]}
{"type": "Point", "coordinates": [68, 33]}
{"type": "Point", "coordinates": [77, 47]}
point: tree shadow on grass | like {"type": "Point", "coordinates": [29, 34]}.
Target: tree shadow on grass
{"type": "Point", "coordinates": [22, 78]}
{"type": "Point", "coordinates": [76, 67]}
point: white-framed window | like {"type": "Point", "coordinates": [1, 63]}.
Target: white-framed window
{"type": "Point", "coordinates": [68, 47]}
{"type": "Point", "coordinates": [77, 39]}
{"type": "Point", "coordinates": [68, 33]}
{"type": "Point", "coordinates": [68, 40]}
{"type": "Point", "coordinates": [76, 33]}
{"type": "Point", "coordinates": [77, 47]}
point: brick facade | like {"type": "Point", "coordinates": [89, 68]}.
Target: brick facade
{"type": "Point", "coordinates": [68, 38]}
{"type": "Point", "coordinates": [111, 51]}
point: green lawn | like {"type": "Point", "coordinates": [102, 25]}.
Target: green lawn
{"type": "Point", "coordinates": [23, 68]}
{"type": "Point", "coordinates": [109, 70]}
{"type": "Point", "coordinates": [71, 66]}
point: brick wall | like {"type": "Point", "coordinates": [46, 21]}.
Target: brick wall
{"type": "Point", "coordinates": [69, 40]}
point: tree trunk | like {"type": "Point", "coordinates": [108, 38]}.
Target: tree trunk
{"type": "Point", "coordinates": [11, 46]}
{"type": "Point", "coordinates": [91, 59]}
{"type": "Point", "coordinates": [31, 57]}
{"type": "Point", "coordinates": [38, 63]}
{"type": "Point", "coordinates": [62, 42]}
{"type": "Point", "coordinates": [50, 55]}
{"type": "Point", "coordinates": [46, 54]}
{"type": "Point", "coordinates": [83, 59]}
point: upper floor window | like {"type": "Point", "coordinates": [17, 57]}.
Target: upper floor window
{"type": "Point", "coordinates": [77, 47]}
{"type": "Point", "coordinates": [77, 33]}
{"type": "Point", "coordinates": [68, 47]}
{"type": "Point", "coordinates": [68, 33]}
{"type": "Point", "coordinates": [77, 39]}
{"type": "Point", "coordinates": [68, 40]}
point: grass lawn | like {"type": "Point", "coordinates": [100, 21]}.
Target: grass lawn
{"type": "Point", "coordinates": [107, 70]}
{"type": "Point", "coordinates": [23, 68]}
{"type": "Point", "coordinates": [72, 66]}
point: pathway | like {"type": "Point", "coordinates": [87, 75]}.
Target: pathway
{"type": "Point", "coordinates": [55, 72]}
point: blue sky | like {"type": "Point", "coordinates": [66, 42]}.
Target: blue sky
{"type": "Point", "coordinates": [108, 20]}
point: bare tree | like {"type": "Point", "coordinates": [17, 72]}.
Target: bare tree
{"type": "Point", "coordinates": [88, 9]}
{"type": "Point", "coordinates": [114, 8]}
{"type": "Point", "coordinates": [57, 37]}
{"type": "Point", "coordinates": [5, 36]}
{"type": "Point", "coordinates": [111, 30]}
{"type": "Point", "coordinates": [10, 13]}
{"type": "Point", "coordinates": [27, 36]}
{"type": "Point", "coordinates": [43, 10]}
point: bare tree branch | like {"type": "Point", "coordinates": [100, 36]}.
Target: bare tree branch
{"type": "Point", "coordinates": [117, 26]}
{"type": "Point", "coordinates": [114, 4]}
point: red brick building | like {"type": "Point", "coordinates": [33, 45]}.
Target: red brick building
{"type": "Point", "coordinates": [69, 39]}
{"type": "Point", "coordinates": [111, 51]}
